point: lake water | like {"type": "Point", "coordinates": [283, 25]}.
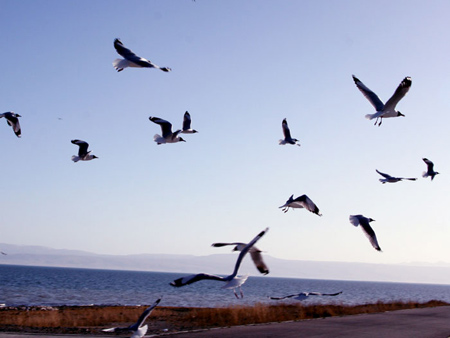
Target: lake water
{"type": "Point", "coordinates": [49, 286]}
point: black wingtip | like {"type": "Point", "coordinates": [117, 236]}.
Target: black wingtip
{"type": "Point", "coordinates": [177, 282]}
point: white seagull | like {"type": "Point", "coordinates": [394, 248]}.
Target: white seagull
{"type": "Point", "coordinates": [390, 179]}
{"type": "Point", "coordinates": [255, 254]}
{"type": "Point", "coordinates": [366, 228]}
{"type": "Point", "coordinates": [83, 153]}
{"type": "Point", "coordinates": [430, 171]}
{"type": "Point", "coordinates": [287, 135]}
{"type": "Point", "coordinates": [13, 121]}
{"type": "Point", "coordinates": [231, 280]}
{"type": "Point", "coordinates": [302, 201]}
{"type": "Point", "coordinates": [132, 60]}
{"type": "Point", "coordinates": [187, 124]}
{"type": "Point", "coordinates": [388, 109]}
{"type": "Point", "coordinates": [166, 130]}
{"type": "Point", "coordinates": [305, 295]}
{"type": "Point", "coordinates": [137, 329]}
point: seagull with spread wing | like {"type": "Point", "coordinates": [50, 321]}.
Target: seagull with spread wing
{"type": "Point", "coordinates": [302, 201]}
{"type": "Point", "coordinates": [430, 169]}
{"type": "Point", "coordinates": [83, 153]}
{"type": "Point", "coordinates": [13, 121]}
{"type": "Point", "coordinates": [132, 60]}
{"type": "Point", "coordinates": [305, 295]}
{"type": "Point", "coordinates": [388, 109]}
{"type": "Point", "coordinates": [366, 228]}
{"type": "Point", "coordinates": [186, 129]}
{"type": "Point", "coordinates": [255, 254]}
{"type": "Point", "coordinates": [391, 179]}
{"type": "Point", "coordinates": [287, 135]}
{"type": "Point", "coordinates": [138, 329]}
{"type": "Point", "coordinates": [231, 280]}
{"type": "Point", "coordinates": [166, 130]}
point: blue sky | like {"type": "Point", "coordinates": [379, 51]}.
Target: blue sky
{"type": "Point", "coordinates": [239, 68]}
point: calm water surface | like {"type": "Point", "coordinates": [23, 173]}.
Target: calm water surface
{"type": "Point", "coordinates": [27, 285]}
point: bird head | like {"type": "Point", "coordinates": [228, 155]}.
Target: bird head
{"type": "Point", "coordinates": [371, 220]}
{"type": "Point", "coordinates": [400, 114]}
{"type": "Point", "coordinates": [182, 140]}
{"type": "Point", "coordinates": [93, 156]}
{"type": "Point", "coordinates": [166, 69]}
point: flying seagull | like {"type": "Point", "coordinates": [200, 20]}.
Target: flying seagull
{"type": "Point", "coordinates": [302, 201]}
{"type": "Point", "coordinates": [83, 153]}
{"type": "Point", "coordinates": [388, 109]}
{"type": "Point", "coordinates": [255, 254]}
{"type": "Point", "coordinates": [137, 329]}
{"type": "Point", "coordinates": [430, 171]}
{"type": "Point", "coordinates": [305, 295]}
{"type": "Point", "coordinates": [166, 130]}
{"type": "Point", "coordinates": [391, 179]}
{"type": "Point", "coordinates": [13, 121]}
{"type": "Point", "coordinates": [132, 60]}
{"type": "Point", "coordinates": [231, 280]}
{"type": "Point", "coordinates": [187, 124]}
{"type": "Point", "coordinates": [366, 228]}
{"type": "Point", "coordinates": [287, 135]}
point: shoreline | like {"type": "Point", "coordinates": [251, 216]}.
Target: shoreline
{"type": "Point", "coordinates": [90, 320]}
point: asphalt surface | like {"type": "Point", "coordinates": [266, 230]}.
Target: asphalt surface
{"type": "Point", "coordinates": [420, 323]}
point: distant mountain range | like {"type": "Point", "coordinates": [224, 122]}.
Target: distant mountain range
{"type": "Point", "coordinates": [224, 263]}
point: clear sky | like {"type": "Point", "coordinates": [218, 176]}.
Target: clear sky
{"type": "Point", "coordinates": [239, 68]}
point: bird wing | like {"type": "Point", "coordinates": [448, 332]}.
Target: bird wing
{"type": "Point", "coordinates": [430, 164]}
{"type": "Point", "coordinates": [354, 219]}
{"type": "Point", "coordinates": [308, 204]}
{"type": "Point", "coordinates": [401, 91]}
{"type": "Point", "coordinates": [323, 294]}
{"type": "Point", "coordinates": [130, 55]}
{"type": "Point", "coordinates": [383, 174]}
{"type": "Point", "coordinates": [12, 121]}
{"type": "Point", "coordinates": [368, 231]}
{"type": "Point", "coordinates": [83, 150]}
{"type": "Point", "coordinates": [186, 121]}
{"type": "Point", "coordinates": [195, 278]}
{"type": "Point", "coordinates": [218, 245]}
{"type": "Point", "coordinates": [286, 131]}
{"type": "Point", "coordinates": [166, 126]}
{"type": "Point", "coordinates": [370, 95]}
{"type": "Point", "coordinates": [256, 256]}
{"type": "Point", "coordinates": [244, 252]}
{"type": "Point", "coordinates": [144, 315]}
{"type": "Point", "coordinates": [16, 127]}
{"type": "Point", "coordinates": [289, 201]}
{"type": "Point", "coordinates": [280, 298]}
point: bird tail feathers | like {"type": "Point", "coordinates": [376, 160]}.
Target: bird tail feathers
{"type": "Point", "coordinates": [75, 158]}
{"type": "Point", "coordinates": [371, 116]}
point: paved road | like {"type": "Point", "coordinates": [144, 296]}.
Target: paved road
{"type": "Point", "coordinates": [417, 323]}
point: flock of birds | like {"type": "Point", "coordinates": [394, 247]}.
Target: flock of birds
{"type": "Point", "coordinates": [233, 281]}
